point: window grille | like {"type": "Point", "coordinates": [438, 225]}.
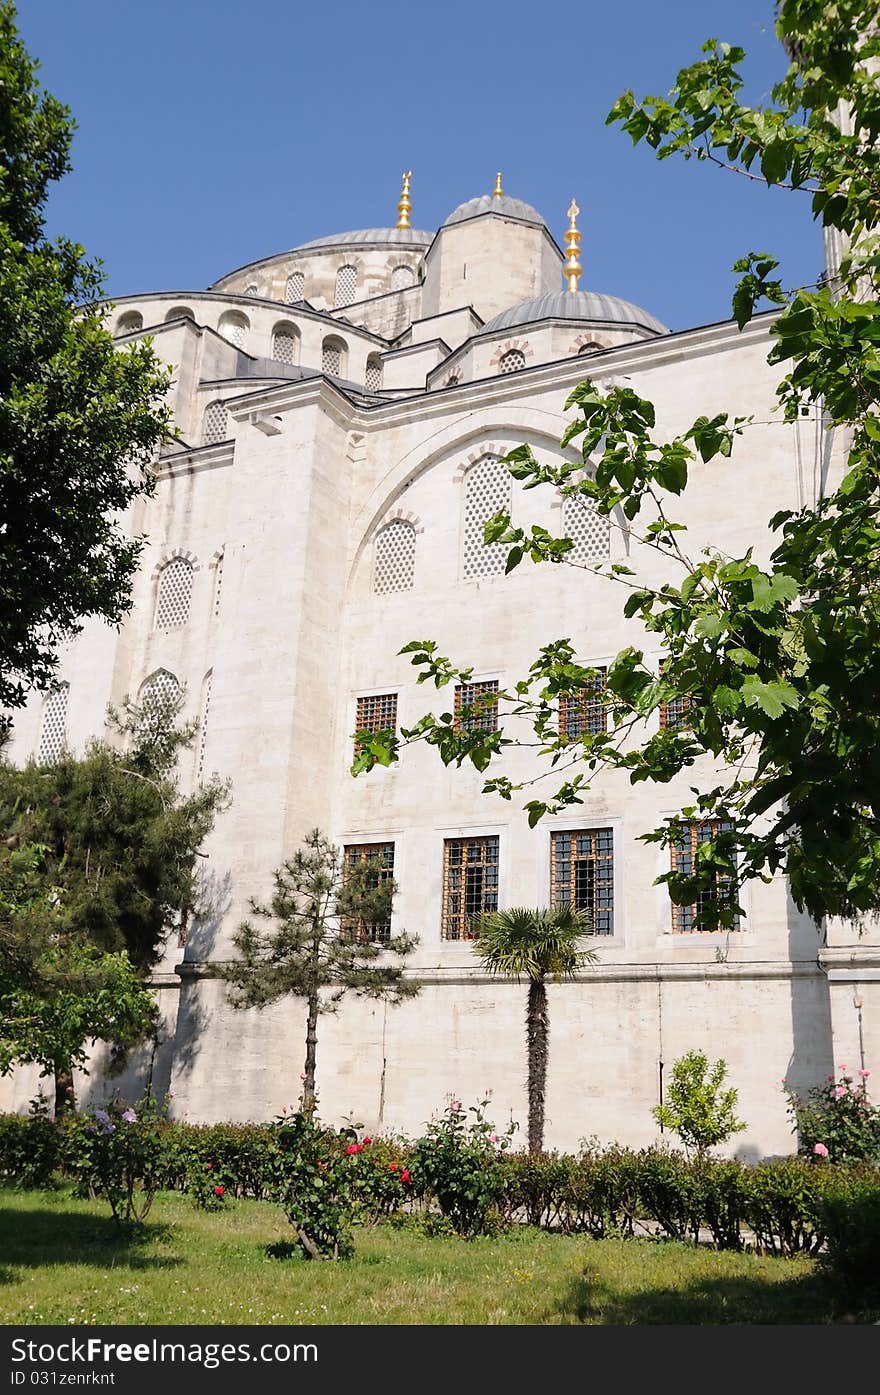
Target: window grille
{"type": "Point", "coordinates": [674, 713]}
{"type": "Point", "coordinates": [487, 490]}
{"type": "Point", "coordinates": [234, 329]}
{"type": "Point", "coordinates": [252, 289]}
{"type": "Point", "coordinates": [395, 560]}
{"type": "Point", "coordinates": [379, 860]}
{"type": "Point", "coordinates": [476, 706]}
{"type": "Point", "coordinates": [53, 732]}
{"type": "Point", "coordinates": [295, 287]}
{"type": "Point", "coordinates": [214, 424]}
{"type": "Point", "coordinates": [158, 696]}
{"type": "Point", "coordinates": [683, 858]}
{"type": "Point", "coordinates": [512, 361]}
{"type": "Point", "coordinates": [470, 884]}
{"type": "Point", "coordinates": [284, 345]}
{"type": "Point", "coordinates": [589, 530]}
{"type": "Point", "coordinates": [373, 378]}
{"type": "Point", "coordinates": [591, 347]}
{"type": "Point", "coordinates": [203, 726]}
{"type": "Point", "coordinates": [173, 594]}
{"type": "Point", "coordinates": [218, 584]}
{"type": "Point", "coordinates": [130, 323]}
{"type": "Point", "coordinates": [582, 875]}
{"type": "Point", "coordinates": [377, 713]}
{"type": "Point", "coordinates": [331, 357]}
{"type": "Point", "coordinates": [401, 277]}
{"type": "Point", "coordinates": [346, 285]}
{"type": "Point", "coordinates": [586, 713]}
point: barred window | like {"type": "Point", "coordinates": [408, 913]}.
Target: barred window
{"type": "Point", "coordinates": [234, 326]}
{"type": "Point", "coordinates": [512, 361]}
{"type": "Point", "coordinates": [214, 424]}
{"type": "Point", "coordinates": [487, 491]}
{"type": "Point", "coordinates": [589, 530]}
{"type": "Point", "coordinates": [683, 858]}
{"type": "Point", "coordinates": [587, 713]}
{"type": "Point", "coordinates": [582, 875]}
{"type": "Point", "coordinates": [129, 323]}
{"type": "Point", "coordinates": [591, 347]}
{"type": "Point", "coordinates": [674, 713]}
{"type": "Point", "coordinates": [203, 724]}
{"type": "Point", "coordinates": [173, 594]}
{"type": "Point", "coordinates": [285, 338]}
{"type": "Point", "coordinates": [346, 285]}
{"type": "Point", "coordinates": [295, 287]}
{"type": "Point", "coordinates": [470, 884]}
{"type": "Point", "coordinates": [476, 706]}
{"type": "Point", "coordinates": [157, 698]}
{"type": "Point", "coordinates": [379, 861]}
{"type": "Point", "coordinates": [373, 377]}
{"type": "Point", "coordinates": [395, 560]}
{"type": "Point", "coordinates": [252, 289]}
{"type": "Point", "coordinates": [218, 583]}
{"type": "Point", "coordinates": [378, 713]}
{"type": "Point", "coordinates": [53, 731]}
{"type": "Point", "coordinates": [333, 357]}
{"type": "Point", "coordinates": [401, 277]}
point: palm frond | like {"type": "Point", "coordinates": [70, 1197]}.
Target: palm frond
{"type": "Point", "coordinates": [534, 943]}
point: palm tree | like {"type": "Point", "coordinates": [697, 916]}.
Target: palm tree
{"type": "Point", "coordinates": [539, 944]}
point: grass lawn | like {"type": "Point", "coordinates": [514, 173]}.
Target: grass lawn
{"type": "Point", "coordinates": [61, 1261]}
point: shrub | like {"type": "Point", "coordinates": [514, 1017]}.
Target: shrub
{"type": "Point", "coordinates": [721, 1202]}
{"type": "Point", "coordinates": [697, 1109]}
{"type": "Point", "coordinates": [837, 1121]}
{"type": "Point", "coordinates": [782, 1207]}
{"type": "Point", "coordinates": [315, 1183]}
{"type": "Point", "coordinates": [29, 1147]}
{"type": "Point", "coordinates": [458, 1162]}
{"type": "Point", "coordinates": [602, 1193]}
{"type": "Point", "coordinates": [850, 1210]}
{"type": "Point", "coordinates": [116, 1154]}
{"type": "Point", "coordinates": [669, 1192]}
{"type": "Point", "coordinates": [208, 1186]}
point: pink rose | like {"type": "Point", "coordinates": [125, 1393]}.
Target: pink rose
{"type": "Point", "coordinates": [843, 1067]}
{"type": "Point", "coordinates": [830, 1079]}
{"type": "Point", "coordinates": [455, 1106]}
{"type": "Point", "coordinates": [864, 1074]}
{"type": "Point", "coordinates": [839, 1092]}
{"type": "Point", "coordinates": [494, 1138]}
{"type": "Point", "coordinates": [820, 1150]}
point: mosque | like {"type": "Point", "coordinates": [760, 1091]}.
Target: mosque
{"type": "Point", "coordinates": [343, 409]}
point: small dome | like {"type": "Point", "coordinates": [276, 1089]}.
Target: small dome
{"type": "Point", "coordinates": [575, 305]}
{"type": "Point", "coordinates": [495, 203]}
{"type": "Point", "coordinates": [406, 237]}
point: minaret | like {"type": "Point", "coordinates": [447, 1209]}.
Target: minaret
{"type": "Point", "coordinates": [498, 192]}
{"type": "Point", "coordinates": [572, 268]}
{"type": "Point", "coordinates": [404, 208]}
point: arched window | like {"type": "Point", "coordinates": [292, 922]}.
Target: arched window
{"type": "Point", "coordinates": [395, 558]}
{"type": "Point", "coordinates": [214, 424]}
{"type": "Point", "coordinates": [179, 312]}
{"type": "Point", "coordinates": [218, 583]}
{"type": "Point", "coordinates": [333, 357]}
{"type": "Point", "coordinates": [373, 376]}
{"type": "Point", "coordinates": [285, 342]}
{"type": "Point", "coordinates": [346, 285]}
{"type": "Point", "coordinates": [129, 323]}
{"type": "Point", "coordinates": [157, 700]}
{"type": "Point", "coordinates": [296, 284]}
{"type": "Point", "coordinates": [487, 489]}
{"type": "Point", "coordinates": [53, 731]}
{"type": "Point", "coordinates": [234, 326]}
{"type": "Point", "coordinates": [590, 347]}
{"type": "Point", "coordinates": [589, 530]}
{"type": "Point", "coordinates": [173, 594]}
{"type": "Point", "coordinates": [401, 277]}
{"type": "Point", "coordinates": [203, 725]}
{"type": "Point", "coordinates": [252, 289]}
{"type": "Point", "coordinates": [512, 361]}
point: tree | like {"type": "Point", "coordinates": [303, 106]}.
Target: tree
{"type": "Point", "coordinates": [697, 1109]}
{"type": "Point", "coordinates": [327, 920]}
{"type": "Point", "coordinates": [79, 421]}
{"type": "Point", "coordinates": [776, 666]}
{"type": "Point", "coordinates": [535, 944]}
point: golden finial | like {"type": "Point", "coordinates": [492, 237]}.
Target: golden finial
{"type": "Point", "coordinates": [498, 192]}
{"type": "Point", "coordinates": [404, 208]}
{"type": "Point", "coordinates": [572, 267]}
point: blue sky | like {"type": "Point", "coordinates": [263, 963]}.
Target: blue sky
{"type": "Point", "coordinates": [212, 133]}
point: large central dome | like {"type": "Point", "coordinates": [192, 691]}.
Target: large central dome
{"type": "Point", "coordinates": [575, 305]}
{"type": "Point", "coordinates": [495, 203]}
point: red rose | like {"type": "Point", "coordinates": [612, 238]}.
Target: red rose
{"type": "Point", "coordinates": [367, 1140]}
{"type": "Point", "coordinates": [209, 1166]}
{"type": "Point", "coordinates": [392, 1167]}
{"type": "Point", "coordinates": [218, 1191]}
{"type": "Point", "coordinates": [354, 1148]}
{"type": "Point", "coordinates": [404, 1176]}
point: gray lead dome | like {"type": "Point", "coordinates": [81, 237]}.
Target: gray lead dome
{"type": "Point", "coordinates": [495, 203]}
{"type": "Point", "coordinates": [575, 305]}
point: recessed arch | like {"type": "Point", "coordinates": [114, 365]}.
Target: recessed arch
{"type": "Point", "coordinates": [234, 325]}
{"type": "Point", "coordinates": [285, 342]}
{"type": "Point", "coordinates": [129, 323]}
{"type": "Point", "coordinates": [334, 356]}
{"type": "Point", "coordinates": [179, 312]}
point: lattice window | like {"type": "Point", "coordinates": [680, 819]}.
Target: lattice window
{"type": "Point", "coordinates": [218, 584]}
{"type": "Point", "coordinates": [53, 732]}
{"type": "Point", "coordinates": [586, 714]}
{"type": "Point", "coordinates": [173, 594]}
{"type": "Point", "coordinates": [295, 288]}
{"type": "Point", "coordinates": [346, 285]}
{"type": "Point", "coordinates": [158, 698]}
{"type": "Point", "coordinates": [487, 490]}
{"type": "Point", "coordinates": [591, 347]}
{"type": "Point", "coordinates": [234, 327]}
{"type": "Point", "coordinates": [331, 357]}
{"type": "Point", "coordinates": [378, 713]}
{"type": "Point", "coordinates": [512, 361]}
{"type": "Point", "coordinates": [470, 884]}
{"type": "Point", "coordinates": [214, 424]}
{"type": "Point", "coordinates": [476, 706]}
{"type": "Point", "coordinates": [582, 875]}
{"type": "Point", "coordinates": [379, 861]}
{"type": "Point", "coordinates": [395, 560]}
{"type": "Point", "coordinates": [373, 377]}
{"type": "Point", "coordinates": [129, 323]}
{"type": "Point", "coordinates": [589, 530]}
{"type": "Point", "coordinates": [675, 713]}
{"type": "Point", "coordinates": [683, 858]}
{"type": "Point", "coordinates": [401, 277]}
{"type": "Point", "coordinates": [203, 725]}
{"type": "Point", "coordinates": [284, 344]}
{"type": "Point", "coordinates": [252, 289]}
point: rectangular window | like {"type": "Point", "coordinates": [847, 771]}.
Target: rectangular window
{"type": "Point", "coordinates": [588, 712]}
{"type": "Point", "coordinates": [683, 858]}
{"type": "Point", "coordinates": [470, 883]}
{"type": "Point", "coordinates": [674, 713]}
{"type": "Point", "coordinates": [582, 874]}
{"type": "Point", "coordinates": [379, 859]}
{"type": "Point", "coordinates": [376, 714]}
{"type": "Point", "coordinates": [476, 706]}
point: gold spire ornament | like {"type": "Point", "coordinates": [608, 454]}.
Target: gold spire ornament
{"type": "Point", "coordinates": [404, 208]}
{"type": "Point", "coordinates": [572, 267]}
{"type": "Point", "coordinates": [498, 192]}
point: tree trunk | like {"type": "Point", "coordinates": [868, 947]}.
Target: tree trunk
{"type": "Point", "coordinates": [308, 1089]}
{"type": "Point", "coordinates": [65, 1100]}
{"type": "Point", "coordinates": [537, 1038]}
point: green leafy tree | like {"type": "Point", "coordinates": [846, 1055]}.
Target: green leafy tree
{"type": "Point", "coordinates": [79, 421]}
{"type": "Point", "coordinates": [776, 665]}
{"type": "Point", "coordinates": [536, 945]}
{"type": "Point", "coordinates": [319, 942]}
{"type": "Point", "coordinates": [696, 1107]}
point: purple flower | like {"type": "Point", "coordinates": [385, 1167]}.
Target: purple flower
{"type": "Point", "coordinates": [130, 1117]}
{"type": "Point", "coordinates": [102, 1116]}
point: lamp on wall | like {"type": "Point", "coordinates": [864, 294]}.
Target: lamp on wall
{"type": "Point", "coordinates": [857, 1004]}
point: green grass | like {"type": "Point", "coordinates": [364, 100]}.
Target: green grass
{"type": "Point", "coordinates": [61, 1261]}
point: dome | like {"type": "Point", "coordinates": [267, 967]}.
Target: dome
{"type": "Point", "coordinates": [575, 305]}
{"type": "Point", "coordinates": [495, 203]}
{"type": "Point", "coordinates": [403, 237]}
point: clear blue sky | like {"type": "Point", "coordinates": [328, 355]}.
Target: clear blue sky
{"type": "Point", "coordinates": [212, 133]}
